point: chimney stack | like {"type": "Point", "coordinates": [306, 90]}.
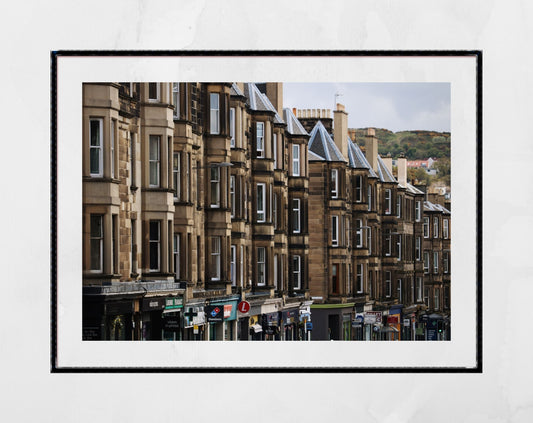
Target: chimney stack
{"type": "Point", "coordinates": [388, 162]}
{"type": "Point", "coordinates": [274, 92]}
{"type": "Point", "coordinates": [371, 148]}
{"type": "Point", "coordinates": [340, 129]}
{"type": "Point", "coordinates": [402, 170]}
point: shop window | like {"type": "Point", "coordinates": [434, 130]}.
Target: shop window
{"type": "Point", "coordinates": [96, 243]}
{"type": "Point", "coordinates": [96, 137]}
{"type": "Point", "coordinates": [155, 144]}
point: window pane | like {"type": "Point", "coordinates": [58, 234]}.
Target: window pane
{"type": "Point", "coordinates": [96, 226]}
{"type": "Point", "coordinates": [96, 254]}
{"type": "Point", "coordinates": [95, 160]}
{"type": "Point", "coordinates": [95, 133]}
{"type": "Point", "coordinates": [152, 90]}
{"type": "Point", "coordinates": [154, 231]}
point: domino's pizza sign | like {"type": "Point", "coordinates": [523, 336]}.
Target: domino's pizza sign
{"type": "Point", "coordinates": [214, 313]}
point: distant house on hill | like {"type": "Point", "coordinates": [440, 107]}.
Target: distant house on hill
{"type": "Point", "coordinates": [428, 163]}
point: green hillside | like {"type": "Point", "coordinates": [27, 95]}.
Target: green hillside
{"type": "Point", "coordinates": [414, 144]}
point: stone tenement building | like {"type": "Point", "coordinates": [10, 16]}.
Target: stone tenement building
{"type": "Point", "coordinates": [197, 196]}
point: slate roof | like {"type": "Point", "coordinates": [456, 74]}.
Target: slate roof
{"type": "Point", "coordinates": [259, 101]}
{"type": "Point", "coordinates": [357, 159]}
{"type": "Point", "coordinates": [235, 90]}
{"type": "Point", "coordinates": [315, 157]}
{"type": "Point", "coordinates": [432, 207]}
{"type": "Point", "coordinates": [294, 127]}
{"type": "Point", "coordinates": [384, 174]}
{"type": "Point", "coordinates": [321, 143]}
{"type": "Point", "coordinates": [412, 189]}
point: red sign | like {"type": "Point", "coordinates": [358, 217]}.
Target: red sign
{"type": "Point", "coordinates": [244, 307]}
{"type": "Point", "coordinates": [394, 319]}
{"type": "Point", "coordinates": [227, 310]}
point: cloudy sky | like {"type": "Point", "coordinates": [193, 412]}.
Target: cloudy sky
{"type": "Point", "coordinates": [393, 106]}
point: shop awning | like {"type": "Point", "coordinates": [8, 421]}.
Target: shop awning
{"type": "Point", "coordinates": [257, 328]}
{"type": "Point", "coordinates": [389, 329]}
{"type": "Point", "coordinates": [171, 310]}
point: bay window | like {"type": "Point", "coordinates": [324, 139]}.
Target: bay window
{"type": "Point", "coordinates": [96, 243]}
{"type": "Point", "coordinates": [261, 203]}
{"type": "Point", "coordinates": [155, 245]}
{"type": "Point", "coordinates": [176, 99]}
{"type": "Point", "coordinates": [215, 187]}
{"type": "Point", "coordinates": [96, 138]}
{"type": "Point", "coordinates": [214, 114]}
{"type": "Point", "coordinates": [154, 160]}
{"type": "Point", "coordinates": [295, 160]}
{"type": "Point", "coordinates": [260, 139]}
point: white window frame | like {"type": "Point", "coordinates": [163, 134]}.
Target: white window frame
{"type": "Point", "coordinates": [436, 298]}
{"type": "Point", "coordinates": [297, 272]}
{"type": "Point", "coordinates": [388, 284]}
{"type": "Point", "coordinates": [176, 98]}
{"type": "Point", "coordinates": [426, 262]}
{"type": "Point", "coordinates": [275, 211]}
{"type": "Point", "coordinates": [261, 202]}
{"type": "Point", "coordinates": [296, 215]}
{"type": "Point", "coordinates": [233, 265]}
{"type": "Point", "coordinates": [426, 227]}
{"type": "Point", "coordinates": [445, 261]}
{"type": "Point", "coordinates": [418, 248]}
{"type": "Point", "coordinates": [435, 226]}
{"type": "Point", "coordinates": [370, 283]}
{"type": "Point", "coordinates": [358, 233]}
{"type": "Point", "coordinates": [399, 206]}
{"type": "Point", "coordinates": [154, 243]}
{"type": "Point", "coordinates": [214, 113]}
{"type": "Point", "coordinates": [177, 267]}
{"type": "Point", "coordinates": [417, 211]}
{"type": "Point", "coordinates": [359, 278]}
{"type": "Point", "coordinates": [388, 201]}
{"type": "Point", "coordinates": [214, 180]}
{"type": "Point", "coordinates": [158, 92]}
{"type": "Point", "coordinates": [369, 239]}
{"type": "Point", "coordinates": [399, 246]}
{"type": "Point", "coordinates": [426, 297]}
{"type": "Point", "coordinates": [260, 139]}
{"type": "Point", "coordinates": [388, 243]}
{"type": "Point", "coordinates": [445, 230]}
{"type": "Point", "coordinates": [435, 262]}
{"type": "Point", "coordinates": [99, 148]}
{"type": "Point", "coordinates": [176, 172]}
{"type": "Point", "coordinates": [154, 161]}
{"type": "Point", "coordinates": [358, 188]}
{"type": "Point", "coordinates": [295, 160]}
{"type": "Point", "coordinates": [334, 183]}
{"type": "Point", "coordinates": [261, 266]}
{"type": "Point", "coordinates": [216, 243]}
{"type": "Point", "coordinates": [232, 126]}
{"type": "Point", "coordinates": [232, 194]}
{"type": "Point", "coordinates": [369, 197]}
{"type": "Point", "coordinates": [96, 239]}
{"type": "Point", "coordinates": [335, 230]}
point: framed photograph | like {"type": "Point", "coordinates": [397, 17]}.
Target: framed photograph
{"type": "Point", "coordinates": [260, 211]}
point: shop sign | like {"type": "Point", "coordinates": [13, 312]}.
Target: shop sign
{"type": "Point", "coordinates": [394, 319]}
{"type": "Point", "coordinates": [194, 316]}
{"type": "Point", "coordinates": [116, 308]}
{"type": "Point", "coordinates": [227, 310]}
{"type": "Point", "coordinates": [372, 317]}
{"type": "Point", "coordinates": [407, 322]}
{"type": "Point", "coordinates": [153, 304]}
{"type": "Point", "coordinates": [270, 319]}
{"type": "Point", "coordinates": [244, 306]}
{"type": "Point", "coordinates": [290, 316]}
{"type": "Point", "coordinates": [171, 323]}
{"type": "Point", "coordinates": [214, 313]}
{"type": "Point", "coordinates": [173, 302]}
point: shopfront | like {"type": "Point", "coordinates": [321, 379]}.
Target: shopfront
{"type": "Point", "coordinates": [194, 322]}
{"type": "Point", "coordinates": [270, 324]}
{"type": "Point", "coordinates": [290, 324]}
{"type": "Point", "coordinates": [306, 325]}
{"type": "Point", "coordinates": [172, 330]}
{"type": "Point", "coordinates": [222, 319]}
{"type": "Point", "coordinates": [394, 323]}
{"type": "Point", "coordinates": [152, 321]}
{"type": "Point", "coordinates": [118, 317]}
